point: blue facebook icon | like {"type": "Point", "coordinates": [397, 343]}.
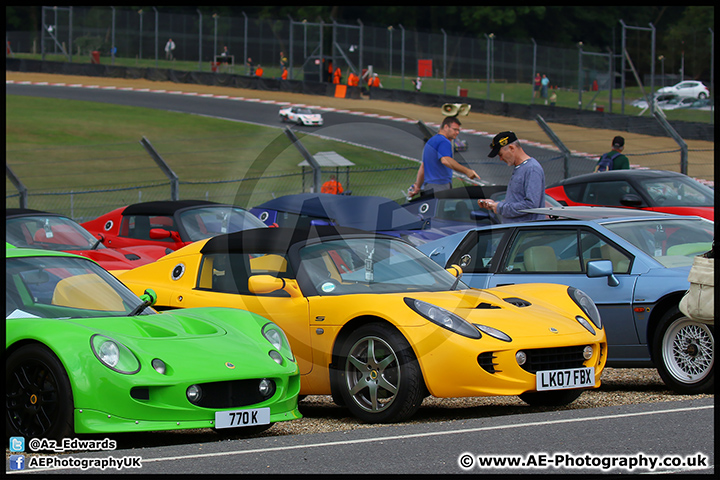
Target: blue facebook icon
{"type": "Point", "coordinates": [17, 462]}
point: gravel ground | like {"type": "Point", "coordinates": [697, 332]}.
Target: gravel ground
{"type": "Point", "coordinates": [620, 386]}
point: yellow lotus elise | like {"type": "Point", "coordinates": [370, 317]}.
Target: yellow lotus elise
{"type": "Point", "coordinates": [379, 326]}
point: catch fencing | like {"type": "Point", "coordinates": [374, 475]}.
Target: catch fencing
{"type": "Point", "coordinates": [240, 44]}
{"type": "Point", "coordinates": [124, 173]}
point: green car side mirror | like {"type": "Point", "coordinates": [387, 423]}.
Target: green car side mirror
{"type": "Point", "coordinates": [149, 297]}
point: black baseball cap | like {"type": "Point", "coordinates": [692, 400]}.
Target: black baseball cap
{"type": "Point", "coordinates": [500, 140]}
{"type": "Point", "coordinates": [618, 141]}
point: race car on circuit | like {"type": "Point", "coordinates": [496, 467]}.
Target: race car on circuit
{"type": "Point", "coordinates": [300, 116]}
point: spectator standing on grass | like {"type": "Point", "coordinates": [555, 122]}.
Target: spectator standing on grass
{"type": "Point", "coordinates": [251, 66]}
{"type": "Point", "coordinates": [436, 170]}
{"type": "Point", "coordinates": [526, 188]}
{"type": "Point", "coordinates": [544, 83]}
{"type": "Point", "coordinates": [418, 84]}
{"type": "Point", "coordinates": [553, 98]}
{"type": "Point", "coordinates": [536, 86]}
{"type": "Point", "coordinates": [614, 159]}
{"type": "Point", "coordinates": [169, 48]}
{"type": "Point", "coordinates": [259, 71]}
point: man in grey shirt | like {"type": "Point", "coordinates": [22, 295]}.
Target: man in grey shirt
{"type": "Point", "coordinates": [526, 188]}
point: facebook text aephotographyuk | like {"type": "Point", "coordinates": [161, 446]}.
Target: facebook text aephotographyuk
{"type": "Point", "coordinates": [85, 463]}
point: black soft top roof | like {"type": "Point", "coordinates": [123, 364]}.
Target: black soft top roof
{"type": "Point", "coordinates": [21, 212]}
{"type": "Point", "coordinates": [618, 175]}
{"type": "Point", "coordinates": [470, 191]}
{"type": "Point", "coordinates": [164, 207]}
{"type": "Point", "coordinates": [279, 240]}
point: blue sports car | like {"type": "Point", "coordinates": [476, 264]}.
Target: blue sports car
{"type": "Point", "coordinates": [369, 213]}
{"type": "Point", "coordinates": [634, 265]}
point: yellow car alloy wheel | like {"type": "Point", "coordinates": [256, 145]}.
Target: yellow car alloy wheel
{"type": "Point", "coordinates": [380, 376]}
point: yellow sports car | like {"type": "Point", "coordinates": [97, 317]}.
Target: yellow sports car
{"type": "Point", "coordinates": [379, 326]}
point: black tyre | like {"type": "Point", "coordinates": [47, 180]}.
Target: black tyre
{"type": "Point", "coordinates": [684, 353]}
{"type": "Point", "coordinates": [553, 398]}
{"type": "Point", "coordinates": [38, 396]}
{"type": "Point", "coordinates": [380, 380]}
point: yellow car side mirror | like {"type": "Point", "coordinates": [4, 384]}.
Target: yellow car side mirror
{"type": "Point", "coordinates": [263, 284]}
{"type": "Point", "coordinates": [456, 270]}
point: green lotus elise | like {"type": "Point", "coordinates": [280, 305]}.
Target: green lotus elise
{"type": "Point", "coordinates": [85, 355]}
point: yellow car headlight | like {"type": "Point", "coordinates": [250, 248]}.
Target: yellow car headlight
{"type": "Point", "coordinates": [444, 318]}
{"type": "Point", "coordinates": [586, 304]}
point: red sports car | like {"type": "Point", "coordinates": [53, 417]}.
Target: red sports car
{"type": "Point", "coordinates": [51, 231]}
{"type": "Point", "coordinates": [654, 190]}
{"type": "Point", "coordinates": [171, 224]}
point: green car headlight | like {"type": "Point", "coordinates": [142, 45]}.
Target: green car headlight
{"type": "Point", "coordinates": [586, 304]}
{"type": "Point", "coordinates": [277, 339]}
{"type": "Point", "coordinates": [114, 355]}
{"type": "Point", "coordinates": [444, 318]}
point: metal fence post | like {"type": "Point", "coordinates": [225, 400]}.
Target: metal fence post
{"type": "Point", "coordinates": [174, 180]}
{"type": "Point", "coordinates": [558, 143]}
{"type": "Point", "coordinates": [678, 139]}
{"type": "Point", "coordinates": [200, 41]}
{"type": "Point", "coordinates": [317, 174]}
{"type": "Point", "coordinates": [17, 183]}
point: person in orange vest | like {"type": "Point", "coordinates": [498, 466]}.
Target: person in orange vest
{"type": "Point", "coordinates": [374, 81]}
{"type": "Point", "coordinates": [337, 76]}
{"type": "Point", "coordinates": [332, 186]}
{"type": "Point", "coordinates": [259, 71]}
{"type": "Point", "coordinates": [284, 73]}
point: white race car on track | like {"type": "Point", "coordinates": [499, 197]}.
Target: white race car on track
{"type": "Point", "coordinates": [301, 116]}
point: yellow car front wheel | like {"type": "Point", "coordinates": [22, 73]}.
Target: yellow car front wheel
{"type": "Point", "coordinates": [381, 380]}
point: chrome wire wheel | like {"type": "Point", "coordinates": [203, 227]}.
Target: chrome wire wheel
{"type": "Point", "coordinates": [688, 350]}
{"type": "Point", "coordinates": [372, 374]}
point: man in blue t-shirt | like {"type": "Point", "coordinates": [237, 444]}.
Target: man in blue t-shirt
{"type": "Point", "coordinates": [526, 188]}
{"type": "Point", "coordinates": [436, 170]}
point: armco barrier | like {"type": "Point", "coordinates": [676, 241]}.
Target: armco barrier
{"type": "Point", "coordinates": [553, 114]}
